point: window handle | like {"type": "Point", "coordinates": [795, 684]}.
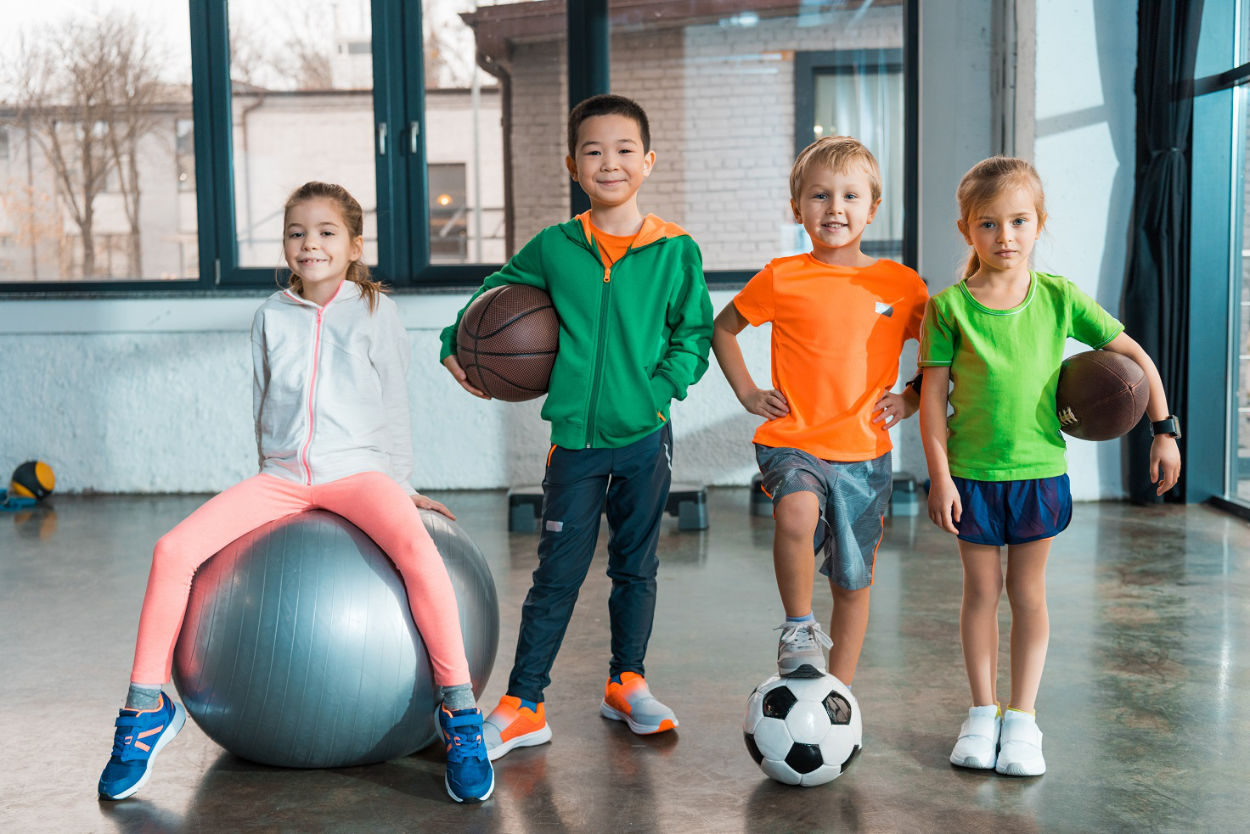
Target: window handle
{"type": "Point", "coordinates": [414, 133]}
{"type": "Point", "coordinates": [381, 138]}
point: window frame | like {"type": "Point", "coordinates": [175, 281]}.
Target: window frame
{"type": "Point", "coordinates": [399, 101]}
{"type": "Point", "coordinates": [807, 67]}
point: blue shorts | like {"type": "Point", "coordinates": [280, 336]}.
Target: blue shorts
{"type": "Point", "coordinates": [854, 497]}
{"type": "Point", "coordinates": [1013, 512]}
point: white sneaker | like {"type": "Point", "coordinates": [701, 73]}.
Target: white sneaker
{"type": "Point", "coordinates": [802, 650]}
{"type": "Point", "coordinates": [977, 745]}
{"type": "Point", "coordinates": [1021, 746]}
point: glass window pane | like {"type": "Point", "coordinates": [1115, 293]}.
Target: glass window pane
{"type": "Point", "coordinates": [93, 108]}
{"type": "Point", "coordinates": [302, 107]}
{"type": "Point", "coordinates": [512, 141]}
{"type": "Point", "coordinates": [719, 81]}
{"type": "Point", "coordinates": [864, 99]}
{"type": "Point", "coordinates": [1239, 450]}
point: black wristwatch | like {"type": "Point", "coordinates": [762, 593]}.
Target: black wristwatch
{"type": "Point", "coordinates": [1170, 424]}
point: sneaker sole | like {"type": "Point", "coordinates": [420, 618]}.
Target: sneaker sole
{"type": "Point", "coordinates": [175, 726]}
{"type": "Point", "coordinates": [1019, 769]}
{"type": "Point", "coordinates": [532, 739]}
{"type": "Point", "coordinates": [972, 763]}
{"type": "Point", "coordinates": [803, 670]}
{"type": "Point", "coordinates": [481, 798]}
{"type": "Point", "coordinates": [638, 729]}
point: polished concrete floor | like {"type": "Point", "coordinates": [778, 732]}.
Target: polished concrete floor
{"type": "Point", "coordinates": [1144, 704]}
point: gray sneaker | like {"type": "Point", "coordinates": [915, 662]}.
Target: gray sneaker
{"type": "Point", "coordinates": [802, 651]}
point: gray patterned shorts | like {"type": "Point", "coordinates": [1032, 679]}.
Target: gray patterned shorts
{"type": "Point", "coordinates": [853, 501]}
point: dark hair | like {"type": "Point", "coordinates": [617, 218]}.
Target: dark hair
{"type": "Point", "coordinates": [608, 104]}
{"type": "Point", "coordinates": [353, 219]}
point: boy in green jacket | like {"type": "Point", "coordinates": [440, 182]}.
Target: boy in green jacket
{"type": "Point", "coordinates": [635, 331]}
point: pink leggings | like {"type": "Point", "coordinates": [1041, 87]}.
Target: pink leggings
{"type": "Point", "coordinates": [372, 501]}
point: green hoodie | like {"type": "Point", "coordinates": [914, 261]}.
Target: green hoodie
{"type": "Point", "coordinates": [633, 336]}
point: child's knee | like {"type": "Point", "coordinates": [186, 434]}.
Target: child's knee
{"type": "Point", "coordinates": [171, 554]}
{"type": "Point", "coordinates": [796, 515]}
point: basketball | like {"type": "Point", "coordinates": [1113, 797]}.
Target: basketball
{"type": "Point", "coordinates": [32, 479]}
{"type": "Point", "coordinates": [507, 342]}
{"type": "Point", "coordinates": [1101, 395]}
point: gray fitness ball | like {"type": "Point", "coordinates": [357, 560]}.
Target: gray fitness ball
{"type": "Point", "coordinates": [298, 647]}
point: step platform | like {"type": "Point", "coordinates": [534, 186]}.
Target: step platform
{"type": "Point", "coordinates": [687, 502]}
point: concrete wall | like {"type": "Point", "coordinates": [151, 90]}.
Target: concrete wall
{"type": "Point", "coordinates": [1085, 151]}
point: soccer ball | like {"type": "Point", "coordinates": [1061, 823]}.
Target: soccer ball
{"type": "Point", "coordinates": [803, 731]}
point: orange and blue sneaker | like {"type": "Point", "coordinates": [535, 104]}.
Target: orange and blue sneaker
{"type": "Point", "coordinates": [140, 735]}
{"type": "Point", "coordinates": [512, 724]}
{"type": "Point", "coordinates": [631, 701]}
{"type": "Point", "coordinates": [469, 774]}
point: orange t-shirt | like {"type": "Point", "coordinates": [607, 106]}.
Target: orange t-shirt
{"type": "Point", "coordinates": [837, 335]}
{"type": "Point", "coordinates": [611, 247]}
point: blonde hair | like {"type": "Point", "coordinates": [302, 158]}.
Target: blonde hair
{"type": "Point", "coordinates": [989, 179]}
{"type": "Point", "coordinates": [353, 218]}
{"type": "Point", "coordinates": [838, 153]}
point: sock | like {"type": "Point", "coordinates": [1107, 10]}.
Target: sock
{"type": "Point", "coordinates": [458, 697]}
{"type": "Point", "coordinates": [615, 678]}
{"type": "Point", "coordinates": [143, 697]}
{"type": "Point", "coordinates": [809, 617]}
{"type": "Point", "coordinates": [988, 711]}
{"type": "Point", "coordinates": [1022, 712]}
{"type": "Point", "coordinates": [532, 706]}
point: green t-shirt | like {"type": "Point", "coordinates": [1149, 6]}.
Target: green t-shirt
{"type": "Point", "coordinates": [1004, 366]}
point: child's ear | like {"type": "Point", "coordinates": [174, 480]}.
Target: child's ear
{"type": "Point", "coordinates": [648, 162]}
{"type": "Point", "coordinates": [794, 207]}
{"type": "Point", "coordinates": [1041, 223]}
{"type": "Point", "coordinates": [572, 166]}
{"type": "Point", "coordinates": [963, 230]}
{"type": "Point", "coordinates": [358, 248]}
{"type": "Point", "coordinates": [872, 212]}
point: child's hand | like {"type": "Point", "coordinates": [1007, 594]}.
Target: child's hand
{"type": "Point", "coordinates": [453, 367]}
{"type": "Point", "coordinates": [424, 502]}
{"type": "Point", "coordinates": [769, 403]}
{"type": "Point", "coordinates": [1165, 462]}
{"type": "Point", "coordinates": [945, 508]}
{"type": "Point", "coordinates": [892, 409]}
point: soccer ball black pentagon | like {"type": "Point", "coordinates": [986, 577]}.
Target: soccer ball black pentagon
{"type": "Point", "coordinates": [803, 731]}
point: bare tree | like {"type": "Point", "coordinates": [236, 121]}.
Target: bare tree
{"type": "Point", "coordinates": [85, 90]}
{"type": "Point", "coordinates": [133, 90]}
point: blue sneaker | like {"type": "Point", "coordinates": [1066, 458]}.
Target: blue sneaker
{"type": "Point", "coordinates": [139, 737]}
{"type": "Point", "coordinates": [469, 774]}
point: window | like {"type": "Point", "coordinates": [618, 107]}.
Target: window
{"type": "Point", "coordinates": [448, 229]}
{"type": "Point", "coordinates": [88, 192]}
{"type": "Point", "coordinates": [455, 150]}
{"type": "Point", "coordinates": [1218, 439]}
{"type": "Point", "coordinates": [859, 92]}
{"type": "Point", "coordinates": [733, 90]}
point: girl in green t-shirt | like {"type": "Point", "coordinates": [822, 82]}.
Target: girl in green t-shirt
{"type": "Point", "coordinates": [997, 462]}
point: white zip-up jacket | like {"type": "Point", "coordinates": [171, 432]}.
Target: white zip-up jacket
{"type": "Point", "coordinates": [330, 391]}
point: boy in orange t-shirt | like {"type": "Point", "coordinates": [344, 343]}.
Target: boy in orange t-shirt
{"type": "Point", "coordinates": [839, 321]}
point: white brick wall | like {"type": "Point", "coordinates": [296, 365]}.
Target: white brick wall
{"type": "Point", "coordinates": [722, 169]}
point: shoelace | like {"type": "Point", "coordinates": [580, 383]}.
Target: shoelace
{"type": "Point", "coordinates": [462, 746]}
{"type": "Point", "coordinates": [804, 636]}
{"type": "Point", "coordinates": [123, 742]}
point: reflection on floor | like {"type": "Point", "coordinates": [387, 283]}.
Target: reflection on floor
{"type": "Point", "coordinates": [1143, 704]}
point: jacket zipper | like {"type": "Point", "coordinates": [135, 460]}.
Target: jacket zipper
{"type": "Point", "coordinates": [312, 387]}
{"type": "Point", "coordinates": [600, 348]}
